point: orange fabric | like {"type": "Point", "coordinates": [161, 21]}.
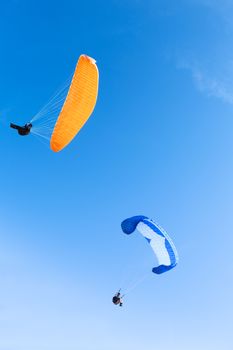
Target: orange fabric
{"type": "Point", "coordinates": [79, 104]}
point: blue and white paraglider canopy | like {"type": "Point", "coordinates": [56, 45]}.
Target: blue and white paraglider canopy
{"type": "Point", "coordinates": [158, 239]}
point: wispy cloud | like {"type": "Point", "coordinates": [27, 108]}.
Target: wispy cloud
{"type": "Point", "coordinates": [211, 68]}
{"type": "Point", "coordinates": [210, 85]}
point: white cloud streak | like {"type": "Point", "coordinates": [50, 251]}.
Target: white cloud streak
{"type": "Point", "coordinates": [212, 70]}
{"type": "Point", "coordinates": [211, 86]}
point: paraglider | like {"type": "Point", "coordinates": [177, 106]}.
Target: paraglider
{"type": "Point", "coordinates": [68, 114]}
{"type": "Point", "coordinates": [117, 299]}
{"type": "Point", "coordinates": [22, 130]}
{"type": "Point", "coordinates": [162, 245]}
{"type": "Point", "coordinates": [79, 103]}
{"type": "Point", "coordinates": [164, 250]}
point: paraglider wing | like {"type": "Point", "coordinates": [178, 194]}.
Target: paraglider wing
{"type": "Point", "coordinates": [158, 239]}
{"type": "Point", "coordinates": [79, 104]}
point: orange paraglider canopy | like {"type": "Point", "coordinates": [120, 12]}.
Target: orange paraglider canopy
{"type": "Point", "coordinates": [79, 103]}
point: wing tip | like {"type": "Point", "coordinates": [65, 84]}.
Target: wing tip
{"type": "Point", "coordinates": [89, 58]}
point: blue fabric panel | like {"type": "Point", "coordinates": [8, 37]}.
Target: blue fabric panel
{"type": "Point", "coordinates": [170, 253]}
{"type": "Point", "coordinates": [161, 269]}
{"type": "Point", "coordinates": [154, 227]}
{"type": "Point", "coordinates": [129, 225]}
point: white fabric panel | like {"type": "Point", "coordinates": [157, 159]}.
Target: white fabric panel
{"type": "Point", "coordinates": [157, 243]}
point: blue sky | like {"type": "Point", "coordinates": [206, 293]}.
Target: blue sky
{"type": "Point", "coordinates": [159, 143]}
